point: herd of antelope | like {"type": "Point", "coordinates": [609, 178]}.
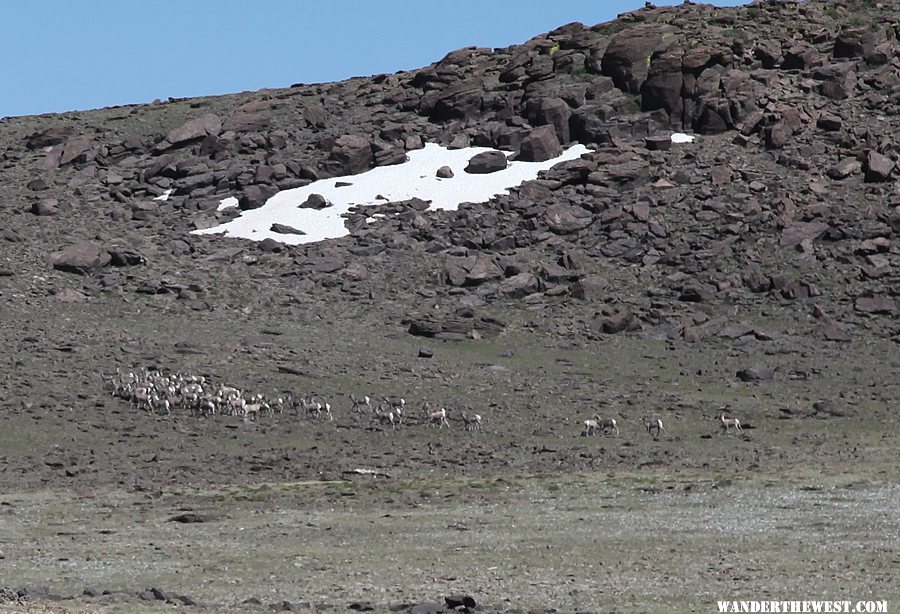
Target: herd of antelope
{"type": "Point", "coordinates": [595, 424]}
{"type": "Point", "coordinates": [162, 393]}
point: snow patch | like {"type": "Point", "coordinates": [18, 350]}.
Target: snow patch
{"type": "Point", "coordinates": [415, 178]}
{"type": "Point", "coordinates": [681, 137]}
{"type": "Point", "coordinates": [227, 203]}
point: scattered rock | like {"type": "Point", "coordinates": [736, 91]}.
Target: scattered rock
{"type": "Point", "coordinates": [270, 245]}
{"type": "Point", "coordinates": [487, 162]}
{"type": "Point", "coordinates": [81, 258]}
{"type": "Point", "coordinates": [284, 229]}
{"type": "Point", "coordinates": [46, 206]}
{"type": "Point", "coordinates": [566, 219]}
{"type": "Point", "coordinates": [201, 127]}
{"type": "Point", "coordinates": [455, 602]}
{"type": "Point", "coordinates": [315, 201]}
{"type": "Point", "coordinates": [615, 320]}
{"type": "Point", "coordinates": [540, 145]}
{"type": "Point", "coordinates": [125, 257]}
{"type": "Point", "coordinates": [878, 305]}
{"type": "Point", "coordinates": [193, 518]}
{"type": "Point", "coordinates": [590, 288]}
{"type": "Point", "coordinates": [756, 373]}
{"type": "Point", "coordinates": [70, 295]}
{"type": "Point", "coordinates": [845, 168]}
{"type": "Point", "coordinates": [76, 149]}
{"type": "Point", "coordinates": [445, 172]}
{"type": "Point", "coordinates": [658, 143]}
{"type": "Point", "coordinates": [255, 196]}
{"type": "Point", "coordinates": [878, 167]}
{"type": "Point", "coordinates": [350, 155]}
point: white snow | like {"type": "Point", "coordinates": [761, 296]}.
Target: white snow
{"type": "Point", "coordinates": [164, 196]}
{"type": "Point", "coordinates": [412, 179]}
{"type": "Point", "coordinates": [681, 137]}
{"type": "Point", "coordinates": [227, 203]}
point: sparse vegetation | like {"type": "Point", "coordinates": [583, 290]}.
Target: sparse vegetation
{"type": "Point", "coordinates": [670, 293]}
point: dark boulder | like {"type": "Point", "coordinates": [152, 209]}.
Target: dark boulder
{"type": "Point", "coordinates": [487, 162]}
{"type": "Point", "coordinates": [856, 42]}
{"type": "Point", "coordinates": [284, 229]}
{"type": "Point", "coordinates": [590, 288]}
{"type": "Point", "coordinates": [45, 207]}
{"type": "Point", "coordinates": [76, 149]}
{"type": "Point", "coordinates": [540, 145]}
{"type": "Point", "coordinates": [521, 285]}
{"type": "Point", "coordinates": [81, 258]}
{"type": "Point", "coordinates": [628, 57]}
{"type": "Point", "coordinates": [459, 100]}
{"type": "Point", "coordinates": [664, 84]}
{"type": "Point", "coordinates": [315, 201]}
{"type": "Point", "coordinates": [615, 320]}
{"type": "Point", "coordinates": [878, 167]}
{"type": "Point", "coordinates": [769, 53]}
{"type": "Point", "coordinates": [457, 602]}
{"type": "Point", "coordinates": [844, 168]}
{"type": "Point", "coordinates": [49, 137]}
{"type": "Point", "coordinates": [195, 129]}
{"type": "Point", "coordinates": [876, 304]}
{"type": "Point", "coordinates": [255, 196]}
{"type": "Point", "coordinates": [554, 112]}
{"type": "Point", "coordinates": [566, 219]}
{"type": "Point", "coordinates": [125, 257]}
{"type": "Point", "coordinates": [350, 155]}
{"type": "Point", "coordinates": [756, 373]}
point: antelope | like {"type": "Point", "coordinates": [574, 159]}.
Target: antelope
{"type": "Point", "coordinates": [359, 402]}
{"type": "Point", "coordinates": [158, 403]}
{"type": "Point", "coordinates": [654, 423]}
{"type": "Point", "coordinates": [206, 407]}
{"type": "Point", "coordinates": [254, 409]}
{"type": "Point", "coordinates": [730, 423]}
{"type": "Point", "coordinates": [596, 424]}
{"type": "Point", "coordinates": [472, 422]}
{"type": "Point", "coordinates": [316, 409]}
{"type": "Point", "coordinates": [311, 407]}
{"type": "Point", "coordinates": [387, 417]}
{"type": "Point", "coordinates": [439, 417]}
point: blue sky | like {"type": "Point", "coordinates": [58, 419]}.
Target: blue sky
{"type": "Point", "coordinates": [63, 55]}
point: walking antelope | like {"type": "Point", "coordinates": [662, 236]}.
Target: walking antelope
{"type": "Point", "coordinates": [359, 402]}
{"type": "Point", "coordinates": [730, 423]}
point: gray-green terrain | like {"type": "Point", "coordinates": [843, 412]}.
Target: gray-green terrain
{"type": "Point", "coordinates": [750, 275]}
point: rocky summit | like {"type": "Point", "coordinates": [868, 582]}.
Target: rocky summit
{"type": "Point", "coordinates": [749, 273]}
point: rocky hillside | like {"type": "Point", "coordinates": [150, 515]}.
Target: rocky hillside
{"type": "Point", "coordinates": [786, 205]}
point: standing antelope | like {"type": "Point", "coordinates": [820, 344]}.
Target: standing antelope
{"type": "Point", "coordinates": [471, 423]}
{"type": "Point", "coordinates": [596, 424]}
{"type": "Point", "coordinates": [439, 417]}
{"type": "Point", "coordinates": [654, 423]}
{"type": "Point", "coordinates": [730, 423]}
{"type": "Point", "coordinates": [384, 416]}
